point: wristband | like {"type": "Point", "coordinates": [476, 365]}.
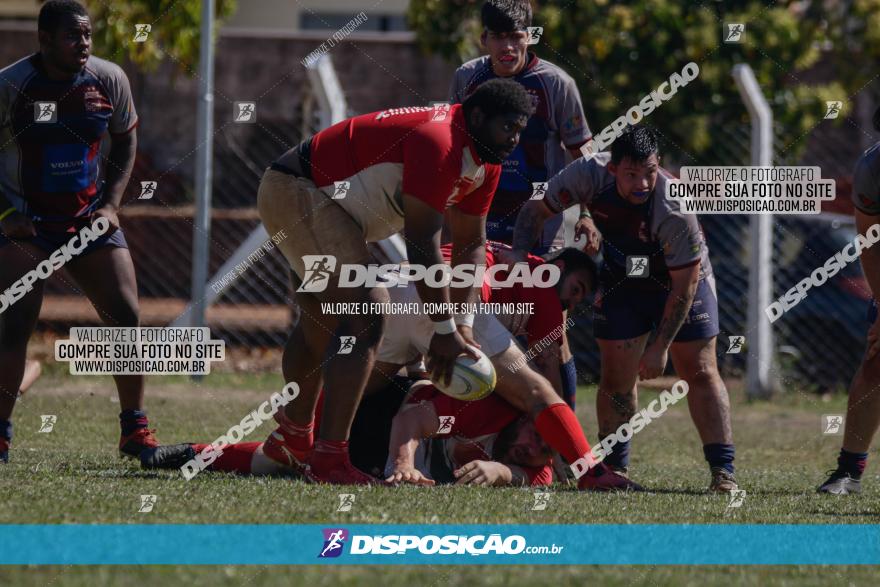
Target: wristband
{"type": "Point", "coordinates": [464, 320]}
{"type": "Point", "coordinates": [585, 214]}
{"type": "Point", "coordinates": [444, 326]}
{"type": "Point", "coordinates": [7, 213]}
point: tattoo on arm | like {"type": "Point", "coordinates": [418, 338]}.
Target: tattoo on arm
{"type": "Point", "coordinates": [672, 321]}
{"type": "Point", "coordinates": [526, 230]}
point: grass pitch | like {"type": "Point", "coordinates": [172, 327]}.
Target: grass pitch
{"type": "Point", "coordinates": [73, 475]}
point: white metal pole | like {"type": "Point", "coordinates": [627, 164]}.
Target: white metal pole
{"type": "Point", "coordinates": [760, 339]}
{"type": "Point", "coordinates": [204, 171]}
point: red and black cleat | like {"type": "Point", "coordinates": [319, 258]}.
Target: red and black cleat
{"type": "Point", "coordinates": [137, 441]}
{"type": "Point", "coordinates": [280, 448]}
{"type": "Point", "coordinates": [346, 474]}
{"type": "Point", "coordinates": [603, 478]}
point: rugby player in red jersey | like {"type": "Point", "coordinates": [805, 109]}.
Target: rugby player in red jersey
{"type": "Point", "coordinates": [519, 384]}
{"type": "Point", "coordinates": [361, 181]}
{"type": "Point", "coordinates": [50, 189]}
{"type": "Point", "coordinates": [489, 443]}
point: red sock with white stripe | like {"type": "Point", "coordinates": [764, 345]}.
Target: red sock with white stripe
{"type": "Point", "coordinates": [236, 458]}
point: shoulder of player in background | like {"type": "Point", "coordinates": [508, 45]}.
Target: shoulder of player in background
{"type": "Point", "coordinates": [550, 70]}
{"type": "Point", "coordinates": [102, 67]}
{"type": "Point", "coordinates": [474, 64]}
{"type": "Point", "coordinates": [23, 66]}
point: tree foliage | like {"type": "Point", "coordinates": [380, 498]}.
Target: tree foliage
{"type": "Point", "coordinates": [175, 30]}
{"type": "Point", "coordinates": [619, 50]}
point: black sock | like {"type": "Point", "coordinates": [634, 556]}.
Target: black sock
{"type": "Point", "coordinates": [852, 463]}
{"type": "Point", "coordinates": [131, 420]}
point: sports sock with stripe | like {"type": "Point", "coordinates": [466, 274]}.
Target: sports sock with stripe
{"type": "Point", "coordinates": [852, 462]}
{"type": "Point", "coordinates": [720, 455]}
{"type": "Point", "coordinates": [568, 375]}
{"type": "Point", "coordinates": [132, 420]}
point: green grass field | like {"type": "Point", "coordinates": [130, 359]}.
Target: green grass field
{"type": "Point", "coordinates": [73, 475]}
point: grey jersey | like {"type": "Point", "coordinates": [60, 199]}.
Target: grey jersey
{"type": "Point", "coordinates": [657, 227]}
{"type": "Point", "coordinates": [866, 181]}
{"type": "Point", "coordinates": [558, 120]}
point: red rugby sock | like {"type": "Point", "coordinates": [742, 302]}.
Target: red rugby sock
{"type": "Point", "coordinates": [329, 455]}
{"type": "Point", "coordinates": [559, 428]}
{"type": "Point", "coordinates": [236, 458]}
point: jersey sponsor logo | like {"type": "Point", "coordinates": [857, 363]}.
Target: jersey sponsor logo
{"type": "Point", "coordinates": [398, 111]}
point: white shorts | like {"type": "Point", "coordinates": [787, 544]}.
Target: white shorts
{"type": "Point", "coordinates": [407, 336]}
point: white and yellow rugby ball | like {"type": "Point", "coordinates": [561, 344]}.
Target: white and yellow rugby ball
{"type": "Point", "coordinates": [471, 380]}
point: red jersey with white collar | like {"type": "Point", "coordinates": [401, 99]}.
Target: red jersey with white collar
{"type": "Point", "coordinates": [424, 152]}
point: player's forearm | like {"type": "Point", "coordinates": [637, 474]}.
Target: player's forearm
{"type": "Point", "coordinates": [404, 440]}
{"type": "Point", "coordinates": [676, 310]}
{"type": "Point", "coordinates": [426, 252]}
{"type": "Point", "coordinates": [473, 254]}
{"type": "Point", "coordinates": [870, 258]}
{"type": "Point", "coordinates": [529, 224]}
{"type": "Point", "coordinates": [120, 163]}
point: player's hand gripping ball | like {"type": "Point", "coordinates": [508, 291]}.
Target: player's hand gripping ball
{"type": "Point", "coordinates": [471, 380]}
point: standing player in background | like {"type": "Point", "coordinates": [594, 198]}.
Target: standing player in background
{"type": "Point", "coordinates": [672, 295]}
{"type": "Point", "coordinates": [863, 407]}
{"type": "Point", "coordinates": [402, 169]}
{"type": "Point", "coordinates": [558, 125]}
{"type": "Point", "coordinates": [50, 190]}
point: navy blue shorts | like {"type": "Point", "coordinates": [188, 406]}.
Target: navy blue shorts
{"type": "Point", "coordinates": [52, 241]}
{"type": "Point", "coordinates": [629, 313]}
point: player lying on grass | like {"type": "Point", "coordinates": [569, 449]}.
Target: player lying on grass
{"type": "Point", "coordinates": [51, 189]}
{"type": "Point", "coordinates": [488, 443]}
{"type": "Point", "coordinates": [408, 336]}
{"type": "Point", "coordinates": [656, 279]}
{"type": "Point", "coordinates": [400, 169]}
{"type": "Point", "coordinates": [557, 128]}
{"type": "Point", "coordinates": [439, 439]}
{"type": "Point", "coordinates": [863, 405]}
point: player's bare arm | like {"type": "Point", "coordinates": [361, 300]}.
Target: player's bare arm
{"type": "Point", "coordinates": [684, 288]}
{"type": "Point", "coordinates": [123, 150]}
{"type": "Point", "coordinates": [422, 233]}
{"type": "Point", "coordinates": [468, 247]}
{"type": "Point", "coordinates": [15, 225]}
{"type": "Point", "coordinates": [529, 224]}
{"type": "Point", "coordinates": [413, 423]}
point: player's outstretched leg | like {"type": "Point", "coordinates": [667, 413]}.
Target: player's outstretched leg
{"type": "Point", "coordinates": [709, 405]}
{"type": "Point", "coordinates": [862, 422]}
{"type": "Point", "coordinates": [17, 322]}
{"type": "Point", "coordinates": [555, 421]}
{"type": "Point", "coordinates": [106, 275]}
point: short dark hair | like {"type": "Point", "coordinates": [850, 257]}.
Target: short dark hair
{"type": "Point", "coordinates": [637, 143]}
{"type": "Point", "coordinates": [577, 260]}
{"type": "Point", "coordinates": [499, 97]}
{"type": "Point", "coordinates": [505, 16]}
{"type": "Point", "coordinates": [54, 12]}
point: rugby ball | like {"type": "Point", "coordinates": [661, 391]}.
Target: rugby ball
{"type": "Point", "coordinates": [471, 380]}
